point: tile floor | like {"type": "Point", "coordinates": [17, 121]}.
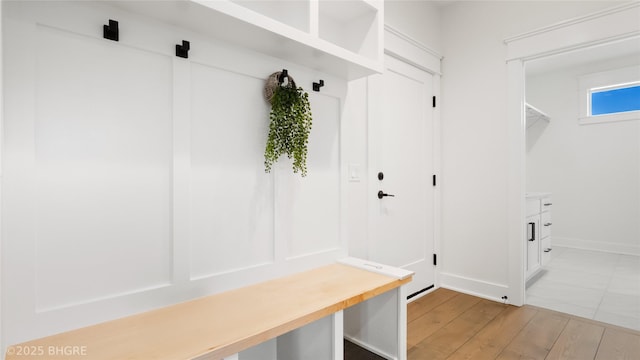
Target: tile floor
{"type": "Point", "coordinates": [590, 284]}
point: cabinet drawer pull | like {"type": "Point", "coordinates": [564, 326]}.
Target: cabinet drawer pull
{"type": "Point", "coordinates": [548, 224]}
{"type": "Point", "coordinates": [548, 204]}
{"type": "Point", "coordinates": [548, 250]}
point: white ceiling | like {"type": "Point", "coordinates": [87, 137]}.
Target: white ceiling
{"type": "Point", "coordinates": [609, 51]}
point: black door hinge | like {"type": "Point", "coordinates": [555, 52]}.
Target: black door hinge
{"type": "Point", "coordinates": [434, 101]}
{"type": "Point", "coordinates": [435, 259]}
{"type": "Point", "coordinates": [434, 180]}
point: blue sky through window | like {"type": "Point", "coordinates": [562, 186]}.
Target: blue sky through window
{"type": "Point", "coordinates": [615, 100]}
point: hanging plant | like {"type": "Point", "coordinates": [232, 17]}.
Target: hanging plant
{"type": "Point", "coordinates": [290, 123]}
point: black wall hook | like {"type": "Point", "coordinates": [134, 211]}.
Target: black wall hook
{"type": "Point", "coordinates": [183, 50]}
{"type": "Point", "coordinates": [318, 85]}
{"type": "Point", "coordinates": [111, 31]}
{"type": "Point", "coordinates": [283, 75]}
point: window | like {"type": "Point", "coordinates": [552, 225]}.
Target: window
{"type": "Point", "coordinates": [614, 100]}
{"type": "Point", "coordinates": [610, 96]}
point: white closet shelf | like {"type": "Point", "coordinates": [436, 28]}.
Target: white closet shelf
{"type": "Point", "coordinates": [534, 115]}
{"type": "Point", "coordinates": [294, 34]}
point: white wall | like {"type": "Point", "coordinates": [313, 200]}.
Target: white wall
{"type": "Point", "coordinates": [592, 170]}
{"type": "Point", "coordinates": [417, 19]}
{"type": "Point", "coordinates": [1, 147]}
{"type": "Point", "coordinates": [355, 153]}
{"type": "Point", "coordinates": [474, 145]}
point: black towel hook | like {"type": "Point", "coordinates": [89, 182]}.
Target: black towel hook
{"type": "Point", "coordinates": [183, 50]}
{"type": "Point", "coordinates": [111, 31]}
{"type": "Point", "coordinates": [318, 85]}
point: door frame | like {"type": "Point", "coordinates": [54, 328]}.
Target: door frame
{"type": "Point", "coordinates": [613, 24]}
{"type": "Point", "coordinates": [410, 51]}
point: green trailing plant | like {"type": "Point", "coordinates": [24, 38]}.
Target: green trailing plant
{"type": "Point", "coordinates": [289, 128]}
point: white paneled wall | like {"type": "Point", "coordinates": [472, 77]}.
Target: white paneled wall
{"type": "Point", "coordinates": [135, 179]}
{"type": "Point", "coordinates": [102, 169]}
{"type": "Point", "coordinates": [232, 199]}
{"type": "Point", "coordinates": [309, 203]}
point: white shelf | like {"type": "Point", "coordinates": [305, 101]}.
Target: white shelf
{"type": "Point", "coordinates": [343, 38]}
{"type": "Point", "coordinates": [351, 25]}
{"type": "Point", "coordinates": [534, 115]}
{"type": "Point", "coordinates": [293, 13]}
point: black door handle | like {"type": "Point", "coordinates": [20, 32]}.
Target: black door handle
{"type": "Point", "coordinates": [533, 231]}
{"type": "Point", "coordinates": [382, 194]}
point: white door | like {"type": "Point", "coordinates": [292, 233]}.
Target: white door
{"type": "Point", "coordinates": [402, 223]}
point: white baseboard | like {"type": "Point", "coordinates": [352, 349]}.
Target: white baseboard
{"type": "Point", "coordinates": [475, 287]}
{"type": "Point", "coordinates": [369, 348]}
{"type": "Point", "coordinates": [610, 247]}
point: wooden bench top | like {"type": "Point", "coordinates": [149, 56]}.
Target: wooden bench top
{"type": "Point", "coordinates": [223, 324]}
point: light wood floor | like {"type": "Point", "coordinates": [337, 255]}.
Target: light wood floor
{"type": "Point", "coordinates": [449, 325]}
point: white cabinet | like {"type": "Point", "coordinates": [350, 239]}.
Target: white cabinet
{"type": "Point", "coordinates": [545, 227]}
{"type": "Point", "coordinates": [533, 242]}
{"type": "Point", "coordinates": [538, 230]}
{"type": "Point", "coordinates": [343, 38]}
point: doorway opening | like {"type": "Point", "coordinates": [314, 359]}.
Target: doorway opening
{"type": "Point", "coordinates": [589, 263]}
